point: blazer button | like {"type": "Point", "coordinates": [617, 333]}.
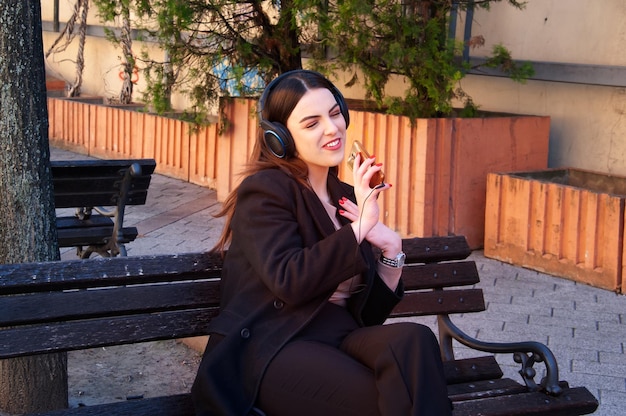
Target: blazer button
{"type": "Point", "coordinates": [245, 333]}
{"type": "Point", "coordinates": [278, 304]}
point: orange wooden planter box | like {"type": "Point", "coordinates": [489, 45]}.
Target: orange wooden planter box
{"type": "Point", "coordinates": [119, 132]}
{"type": "Point", "coordinates": [566, 222]}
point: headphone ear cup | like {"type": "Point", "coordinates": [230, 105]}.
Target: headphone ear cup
{"type": "Point", "coordinates": [278, 139]}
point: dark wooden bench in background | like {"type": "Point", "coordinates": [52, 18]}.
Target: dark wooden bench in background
{"type": "Point", "coordinates": [104, 186]}
{"type": "Point", "coordinates": [44, 307]}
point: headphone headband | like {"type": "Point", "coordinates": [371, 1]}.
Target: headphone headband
{"type": "Point", "coordinates": [276, 135]}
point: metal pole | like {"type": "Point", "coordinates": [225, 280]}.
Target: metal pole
{"type": "Point", "coordinates": [469, 16]}
{"type": "Point", "coordinates": [453, 18]}
{"type": "Point", "coordinates": [55, 22]}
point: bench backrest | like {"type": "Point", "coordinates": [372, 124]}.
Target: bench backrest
{"type": "Point", "coordinates": [79, 183]}
{"type": "Point", "coordinates": [62, 306]}
{"type": "Point", "coordinates": [67, 305]}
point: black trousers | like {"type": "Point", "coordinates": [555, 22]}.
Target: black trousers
{"type": "Point", "coordinates": [335, 367]}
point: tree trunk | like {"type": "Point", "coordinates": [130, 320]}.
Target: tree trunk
{"type": "Point", "coordinates": [291, 51]}
{"type": "Point", "coordinates": [126, 41]}
{"type": "Point", "coordinates": [27, 217]}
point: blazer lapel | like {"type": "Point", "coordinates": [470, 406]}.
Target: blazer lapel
{"type": "Point", "coordinates": [318, 212]}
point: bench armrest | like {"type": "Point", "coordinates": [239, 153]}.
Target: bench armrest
{"type": "Point", "coordinates": [117, 239]}
{"type": "Point", "coordinates": [114, 245]}
{"type": "Point", "coordinates": [133, 172]}
{"type": "Point", "coordinates": [526, 353]}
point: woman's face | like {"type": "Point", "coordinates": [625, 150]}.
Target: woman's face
{"type": "Point", "coordinates": [318, 129]}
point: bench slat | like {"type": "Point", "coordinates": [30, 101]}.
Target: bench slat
{"type": "Point", "coordinates": [440, 302]}
{"type": "Point", "coordinates": [177, 405]}
{"type": "Point", "coordinates": [573, 401]}
{"type": "Point", "coordinates": [97, 184]}
{"type": "Point", "coordinates": [435, 249]}
{"type": "Point", "coordinates": [104, 332]}
{"type": "Point", "coordinates": [49, 307]}
{"type": "Point", "coordinates": [102, 272]}
{"type": "Point", "coordinates": [108, 165]}
{"type": "Point", "coordinates": [73, 231]}
{"type": "Point", "coordinates": [75, 222]}
{"type": "Point", "coordinates": [488, 388]}
{"type": "Point", "coordinates": [92, 192]}
{"type": "Point", "coordinates": [76, 200]}
{"type": "Point", "coordinates": [484, 388]}
{"type": "Point", "coordinates": [472, 369]}
{"type": "Point", "coordinates": [440, 275]}
{"type": "Point", "coordinates": [82, 236]}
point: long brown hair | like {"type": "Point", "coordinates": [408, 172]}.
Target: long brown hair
{"type": "Point", "coordinates": [278, 105]}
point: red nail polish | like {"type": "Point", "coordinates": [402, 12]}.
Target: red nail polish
{"type": "Point", "coordinates": [379, 164]}
{"type": "Point", "coordinates": [341, 201]}
{"type": "Point", "coordinates": [342, 211]}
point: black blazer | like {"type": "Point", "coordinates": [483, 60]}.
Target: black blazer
{"type": "Point", "coordinates": [284, 262]}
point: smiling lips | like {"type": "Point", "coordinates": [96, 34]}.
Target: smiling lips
{"type": "Point", "coordinates": [333, 145]}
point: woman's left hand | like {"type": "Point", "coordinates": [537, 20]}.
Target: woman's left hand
{"type": "Point", "coordinates": [381, 236]}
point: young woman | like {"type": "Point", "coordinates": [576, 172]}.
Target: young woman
{"type": "Point", "coordinates": [303, 296]}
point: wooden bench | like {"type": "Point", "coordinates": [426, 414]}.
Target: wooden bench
{"type": "Point", "coordinates": [104, 186]}
{"type": "Point", "coordinates": [45, 307]}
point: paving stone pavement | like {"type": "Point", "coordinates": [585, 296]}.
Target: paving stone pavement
{"type": "Point", "coordinates": [584, 326]}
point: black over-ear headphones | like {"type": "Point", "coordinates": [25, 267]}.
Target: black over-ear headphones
{"type": "Point", "coordinates": [276, 135]}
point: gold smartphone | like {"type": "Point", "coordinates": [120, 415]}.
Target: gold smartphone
{"type": "Point", "coordinates": [357, 148]}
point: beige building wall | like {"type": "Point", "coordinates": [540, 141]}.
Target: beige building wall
{"type": "Point", "coordinates": [103, 59]}
{"type": "Point", "coordinates": [588, 123]}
